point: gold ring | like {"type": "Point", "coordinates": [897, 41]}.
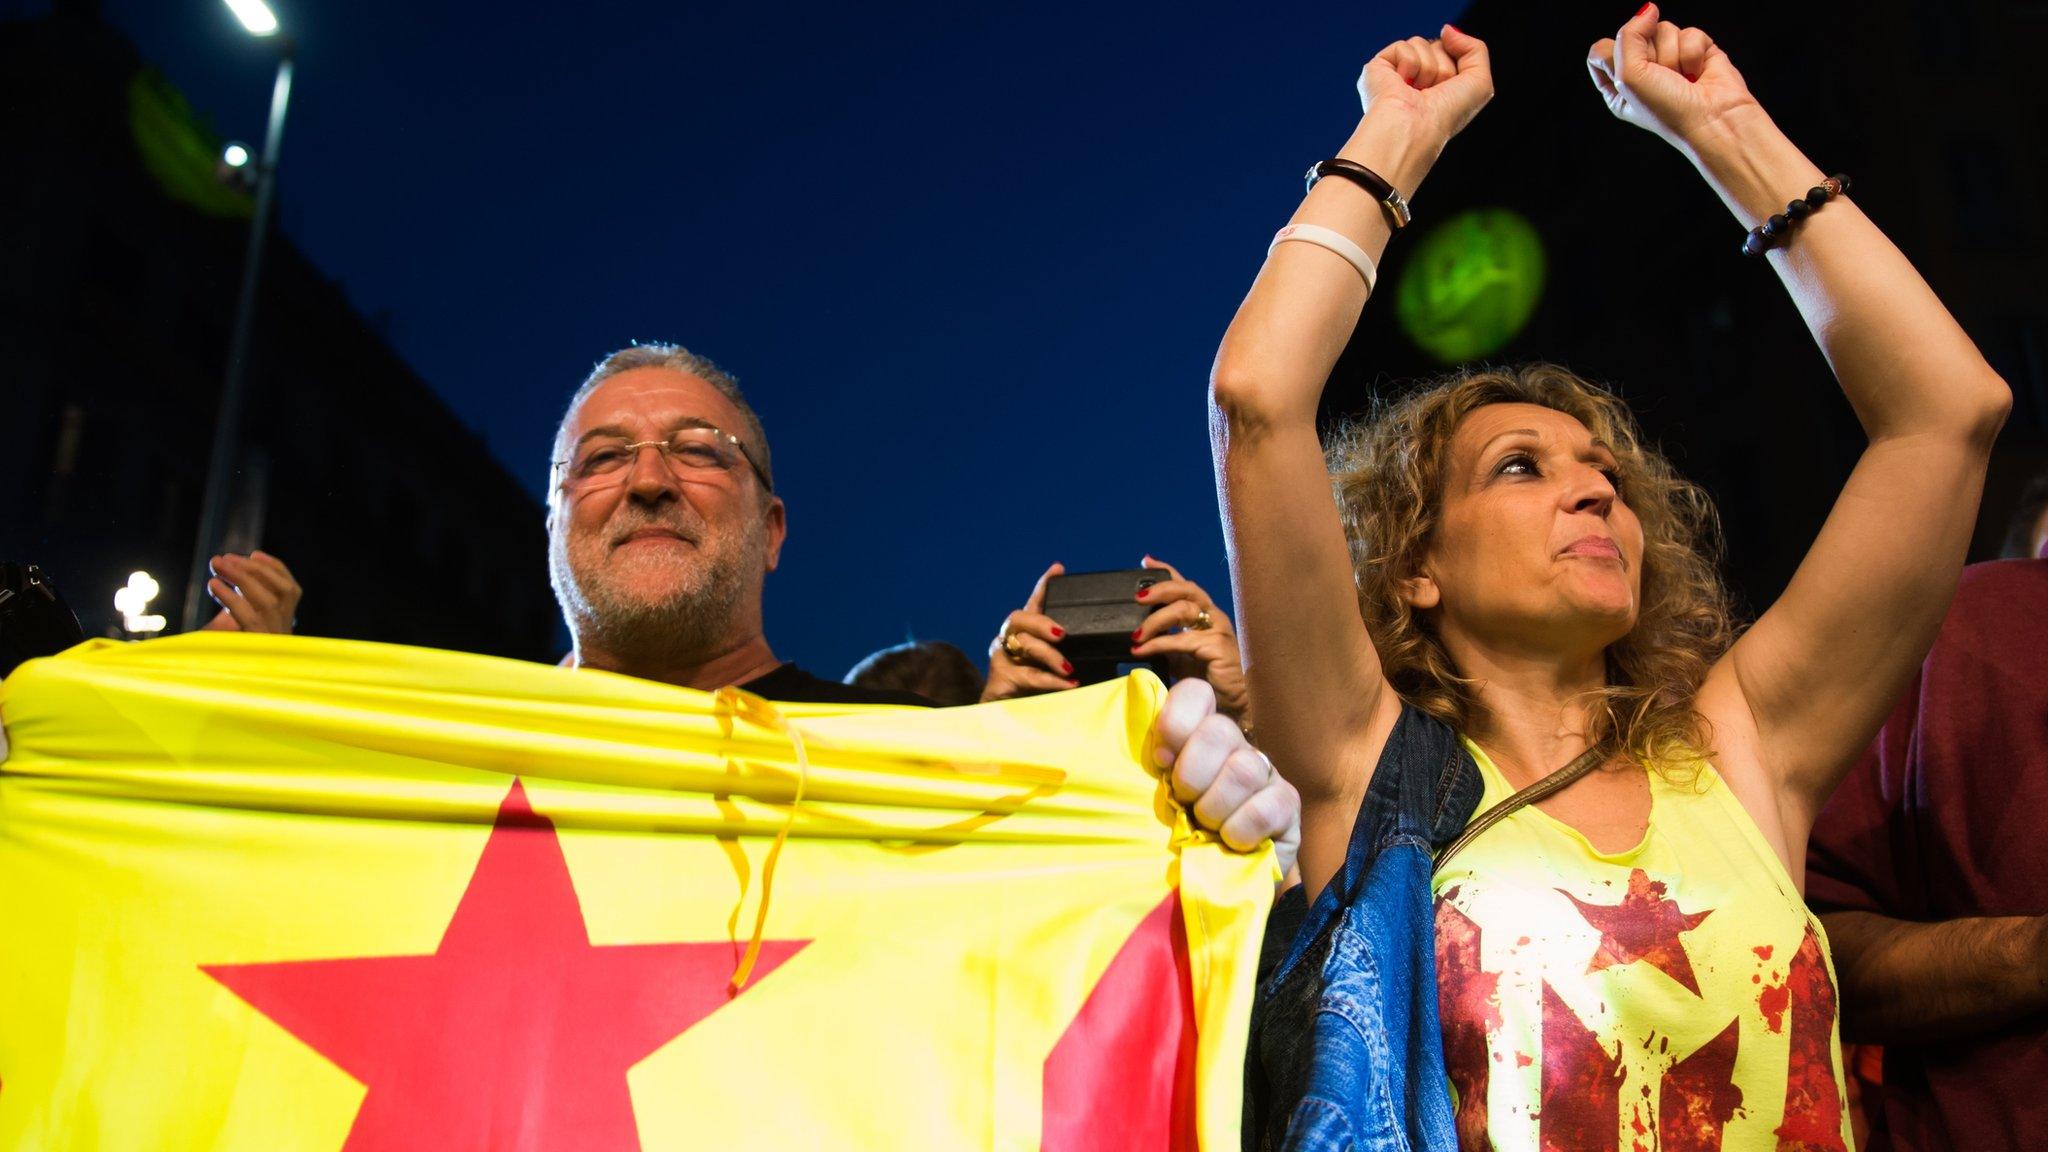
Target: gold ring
{"type": "Point", "coordinates": [1202, 622]}
{"type": "Point", "coordinates": [1012, 647]}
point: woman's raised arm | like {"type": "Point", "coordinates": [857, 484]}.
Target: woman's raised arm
{"type": "Point", "coordinates": [1807, 687]}
{"type": "Point", "coordinates": [1316, 685]}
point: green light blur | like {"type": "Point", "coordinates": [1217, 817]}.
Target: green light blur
{"type": "Point", "coordinates": [178, 150]}
{"type": "Point", "coordinates": [1471, 284]}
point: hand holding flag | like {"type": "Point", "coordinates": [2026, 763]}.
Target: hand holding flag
{"type": "Point", "coordinates": [1229, 785]}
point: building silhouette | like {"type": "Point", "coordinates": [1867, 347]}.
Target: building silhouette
{"type": "Point", "coordinates": [123, 251]}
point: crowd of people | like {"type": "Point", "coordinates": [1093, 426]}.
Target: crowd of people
{"type": "Point", "coordinates": [1582, 858]}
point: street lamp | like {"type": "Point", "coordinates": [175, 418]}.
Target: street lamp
{"type": "Point", "coordinates": [257, 17]}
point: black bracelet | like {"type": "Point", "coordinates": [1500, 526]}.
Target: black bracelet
{"type": "Point", "coordinates": [1391, 201]}
{"type": "Point", "coordinates": [1773, 232]}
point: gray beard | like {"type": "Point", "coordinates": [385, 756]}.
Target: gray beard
{"type": "Point", "coordinates": [693, 625]}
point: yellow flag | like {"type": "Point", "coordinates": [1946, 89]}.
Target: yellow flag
{"type": "Point", "coordinates": [286, 893]}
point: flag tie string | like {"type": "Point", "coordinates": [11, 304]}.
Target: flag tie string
{"type": "Point", "coordinates": [734, 702]}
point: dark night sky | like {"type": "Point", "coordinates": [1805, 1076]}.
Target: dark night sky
{"type": "Point", "coordinates": [971, 266]}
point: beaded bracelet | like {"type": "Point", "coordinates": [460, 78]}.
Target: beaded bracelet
{"type": "Point", "coordinates": [1773, 232]}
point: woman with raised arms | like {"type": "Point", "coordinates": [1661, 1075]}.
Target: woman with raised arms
{"type": "Point", "coordinates": [1508, 582]}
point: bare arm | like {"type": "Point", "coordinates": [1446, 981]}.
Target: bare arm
{"type": "Point", "coordinates": [1803, 691]}
{"type": "Point", "coordinates": [1316, 684]}
{"type": "Point", "coordinates": [1909, 983]}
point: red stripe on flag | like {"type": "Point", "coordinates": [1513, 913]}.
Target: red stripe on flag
{"type": "Point", "coordinates": [1123, 1074]}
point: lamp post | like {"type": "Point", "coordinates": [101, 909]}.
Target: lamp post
{"type": "Point", "coordinates": [257, 17]}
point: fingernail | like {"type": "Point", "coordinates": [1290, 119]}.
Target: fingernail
{"type": "Point", "coordinates": [1073, 683]}
{"type": "Point", "coordinates": [1408, 82]}
{"type": "Point", "coordinates": [1135, 633]}
{"type": "Point", "coordinates": [1455, 28]}
{"type": "Point", "coordinates": [1058, 631]}
{"type": "Point", "coordinates": [1144, 592]}
{"type": "Point", "coordinates": [1067, 667]}
{"type": "Point", "coordinates": [1640, 11]}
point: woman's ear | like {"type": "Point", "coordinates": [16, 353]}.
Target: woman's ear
{"type": "Point", "coordinates": [1420, 592]}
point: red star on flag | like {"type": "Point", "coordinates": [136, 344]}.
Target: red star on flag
{"type": "Point", "coordinates": [516, 1032]}
{"type": "Point", "coordinates": [1644, 926]}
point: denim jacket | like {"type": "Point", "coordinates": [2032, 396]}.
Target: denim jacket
{"type": "Point", "coordinates": [1346, 1052]}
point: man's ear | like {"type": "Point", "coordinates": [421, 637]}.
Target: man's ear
{"type": "Point", "coordinates": [778, 530]}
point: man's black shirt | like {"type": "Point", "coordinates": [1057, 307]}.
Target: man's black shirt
{"type": "Point", "coordinates": [792, 685]}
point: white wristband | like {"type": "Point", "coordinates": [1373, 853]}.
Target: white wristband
{"type": "Point", "coordinates": [1334, 241]}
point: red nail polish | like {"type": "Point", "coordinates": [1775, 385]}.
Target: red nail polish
{"type": "Point", "coordinates": [1455, 28]}
{"type": "Point", "coordinates": [1144, 592]}
{"type": "Point", "coordinates": [1640, 11]}
{"type": "Point", "coordinates": [1067, 667]}
{"type": "Point", "coordinates": [1135, 633]}
{"type": "Point", "coordinates": [1058, 632]}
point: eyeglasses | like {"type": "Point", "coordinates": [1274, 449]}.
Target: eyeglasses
{"type": "Point", "coordinates": [698, 452]}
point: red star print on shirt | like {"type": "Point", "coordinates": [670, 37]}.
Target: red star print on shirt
{"type": "Point", "coordinates": [1644, 926]}
{"type": "Point", "coordinates": [517, 1032]}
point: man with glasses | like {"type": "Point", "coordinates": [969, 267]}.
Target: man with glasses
{"type": "Point", "coordinates": [663, 525]}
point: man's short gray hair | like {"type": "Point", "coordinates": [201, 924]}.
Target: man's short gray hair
{"type": "Point", "coordinates": [676, 358]}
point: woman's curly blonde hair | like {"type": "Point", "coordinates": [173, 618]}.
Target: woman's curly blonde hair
{"type": "Point", "coordinates": [1388, 472]}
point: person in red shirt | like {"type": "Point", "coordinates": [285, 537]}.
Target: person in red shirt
{"type": "Point", "coordinates": [1930, 872]}
{"type": "Point", "coordinates": [2026, 534]}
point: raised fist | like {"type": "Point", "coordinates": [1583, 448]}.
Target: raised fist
{"type": "Point", "coordinates": [1668, 79]}
{"type": "Point", "coordinates": [1442, 83]}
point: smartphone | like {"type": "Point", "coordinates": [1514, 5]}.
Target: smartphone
{"type": "Point", "coordinates": [1099, 611]}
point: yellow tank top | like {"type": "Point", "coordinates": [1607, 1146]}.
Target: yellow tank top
{"type": "Point", "coordinates": [1672, 997]}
